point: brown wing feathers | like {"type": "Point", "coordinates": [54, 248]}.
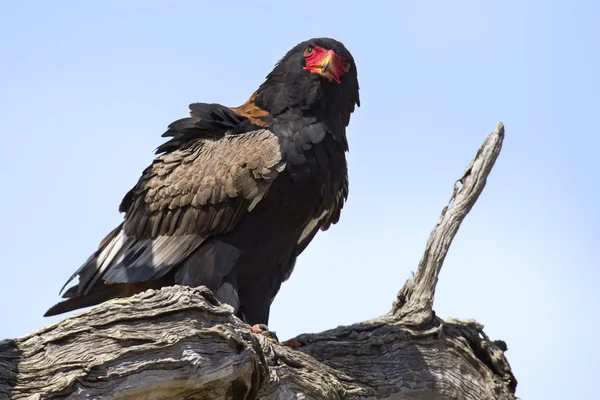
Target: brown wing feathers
{"type": "Point", "coordinates": [204, 189]}
{"type": "Point", "coordinates": [187, 196]}
{"type": "Point", "coordinates": [201, 188]}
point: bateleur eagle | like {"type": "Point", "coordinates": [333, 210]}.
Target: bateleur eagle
{"type": "Point", "coordinates": [236, 193]}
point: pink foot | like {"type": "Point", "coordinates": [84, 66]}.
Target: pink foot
{"type": "Point", "coordinates": [261, 329]}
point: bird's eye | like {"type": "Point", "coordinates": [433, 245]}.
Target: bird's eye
{"type": "Point", "coordinates": [346, 66]}
{"type": "Point", "coordinates": [308, 51]}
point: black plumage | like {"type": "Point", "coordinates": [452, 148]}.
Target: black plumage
{"type": "Point", "coordinates": [236, 193]}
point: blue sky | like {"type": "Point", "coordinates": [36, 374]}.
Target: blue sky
{"type": "Point", "coordinates": [87, 88]}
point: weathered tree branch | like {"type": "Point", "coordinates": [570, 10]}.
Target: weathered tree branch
{"type": "Point", "coordinates": [181, 343]}
{"type": "Point", "coordinates": [415, 300]}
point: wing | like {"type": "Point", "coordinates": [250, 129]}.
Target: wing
{"type": "Point", "coordinates": [325, 219]}
{"type": "Point", "coordinates": [204, 188]}
{"type": "Point", "coordinates": [203, 185]}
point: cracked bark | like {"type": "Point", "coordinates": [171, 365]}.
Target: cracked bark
{"type": "Point", "coordinates": [181, 343]}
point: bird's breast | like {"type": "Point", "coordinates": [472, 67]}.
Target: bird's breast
{"type": "Point", "coordinates": [315, 172]}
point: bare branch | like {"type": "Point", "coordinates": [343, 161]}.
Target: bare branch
{"type": "Point", "coordinates": [414, 303]}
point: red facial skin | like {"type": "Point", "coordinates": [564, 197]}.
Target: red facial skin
{"type": "Point", "coordinates": [326, 63]}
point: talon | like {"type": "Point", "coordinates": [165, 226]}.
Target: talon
{"type": "Point", "coordinates": [262, 329]}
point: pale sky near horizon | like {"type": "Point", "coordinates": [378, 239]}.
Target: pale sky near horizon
{"type": "Point", "coordinates": [87, 88]}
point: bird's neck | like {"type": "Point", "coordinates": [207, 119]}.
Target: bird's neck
{"type": "Point", "coordinates": [280, 101]}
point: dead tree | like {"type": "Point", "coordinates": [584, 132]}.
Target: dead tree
{"type": "Point", "coordinates": [181, 343]}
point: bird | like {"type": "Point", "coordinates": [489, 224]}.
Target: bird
{"type": "Point", "coordinates": [235, 194]}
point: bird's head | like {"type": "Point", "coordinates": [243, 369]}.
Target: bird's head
{"type": "Point", "coordinates": [316, 76]}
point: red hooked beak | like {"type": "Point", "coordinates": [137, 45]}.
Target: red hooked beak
{"type": "Point", "coordinates": [325, 63]}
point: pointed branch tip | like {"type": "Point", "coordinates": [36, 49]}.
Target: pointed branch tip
{"type": "Point", "coordinates": [414, 303]}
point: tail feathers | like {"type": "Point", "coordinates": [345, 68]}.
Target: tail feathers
{"type": "Point", "coordinates": [100, 294]}
{"type": "Point", "coordinates": [70, 292]}
{"type": "Point", "coordinates": [92, 269]}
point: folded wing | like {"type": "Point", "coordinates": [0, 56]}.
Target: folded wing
{"type": "Point", "coordinates": [202, 186]}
